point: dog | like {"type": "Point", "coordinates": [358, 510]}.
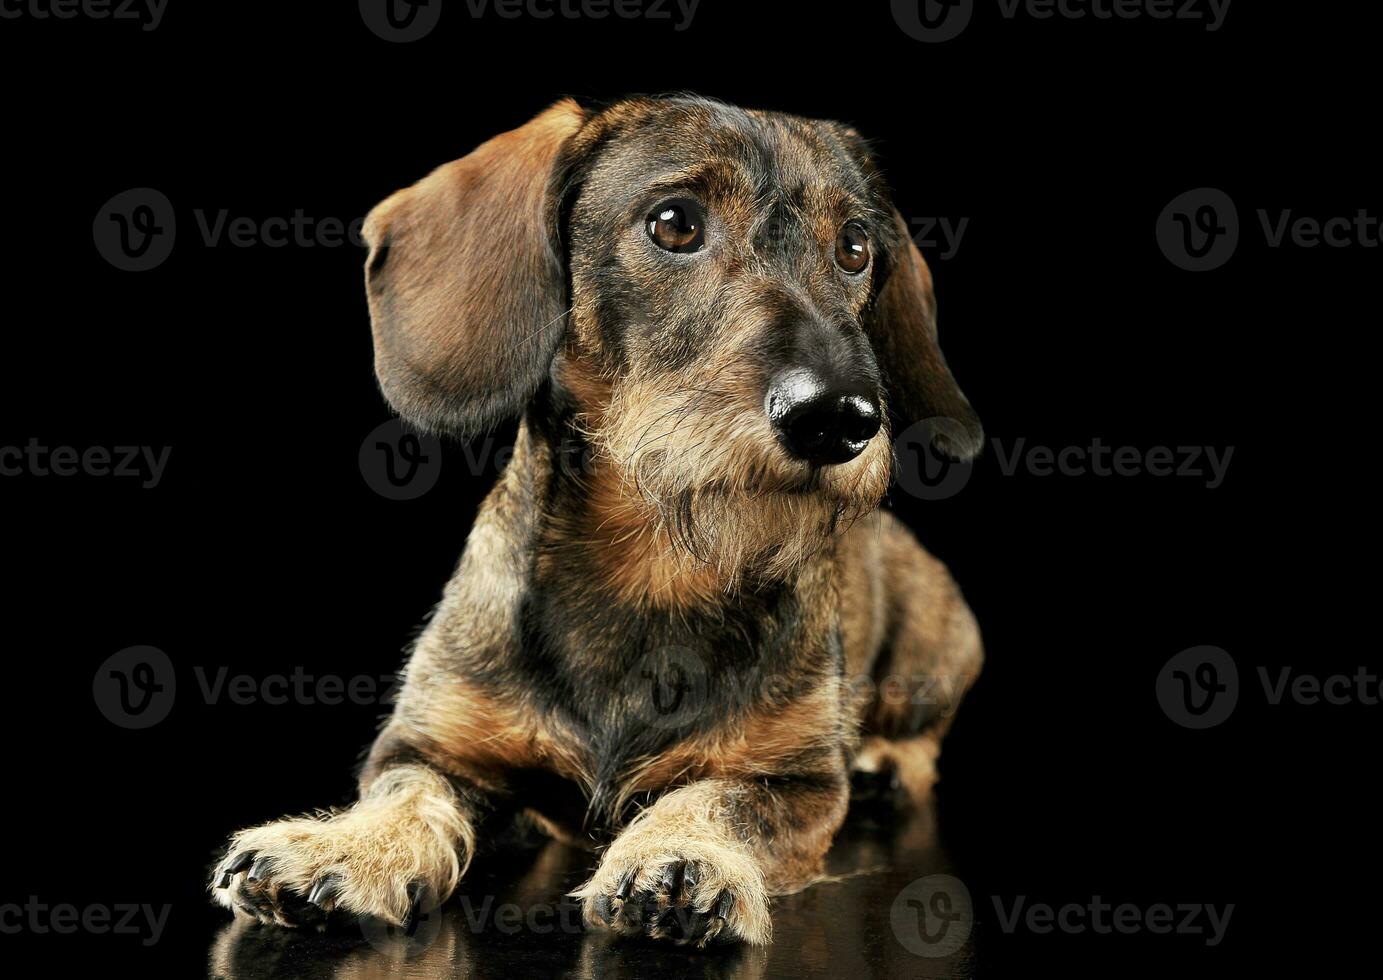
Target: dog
{"type": "Point", "coordinates": [709, 321]}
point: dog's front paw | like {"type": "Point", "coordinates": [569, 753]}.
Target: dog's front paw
{"type": "Point", "coordinates": [388, 856]}
{"type": "Point", "coordinates": [681, 887]}
{"type": "Point", "coordinates": [297, 872]}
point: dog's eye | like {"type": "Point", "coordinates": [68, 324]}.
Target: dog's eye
{"type": "Point", "coordinates": [852, 249]}
{"type": "Point", "coordinates": [677, 226]}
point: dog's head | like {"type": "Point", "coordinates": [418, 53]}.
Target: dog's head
{"type": "Point", "coordinates": [725, 301]}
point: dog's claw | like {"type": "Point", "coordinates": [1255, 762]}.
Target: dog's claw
{"type": "Point", "coordinates": [241, 862]}
{"type": "Point", "coordinates": [603, 909]}
{"type": "Point", "coordinates": [258, 870]}
{"type": "Point", "coordinates": [417, 893]}
{"type": "Point", "coordinates": [712, 930]}
{"type": "Point", "coordinates": [324, 891]}
{"type": "Point", "coordinates": [669, 908]}
{"type": "Point", "coordinates": [724, 904]}
{"type": "Point", "coordinates": [626, 883]}
{"type": "Point", "coordinates": [670, 884]}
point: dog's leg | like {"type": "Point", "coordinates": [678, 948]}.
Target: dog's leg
{"type": "Point", "coordinates": [701, 863]}
{"type": "Point", "coordinates": [930, 656]}
{"type": "Point", "coordinates": [405, 842]}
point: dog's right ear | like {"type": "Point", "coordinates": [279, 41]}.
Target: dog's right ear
{"type": "Point", "coordinates": [466, 283]}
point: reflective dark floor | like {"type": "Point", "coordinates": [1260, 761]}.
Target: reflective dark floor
{"type": "Point", "coordinates": [510, 920]}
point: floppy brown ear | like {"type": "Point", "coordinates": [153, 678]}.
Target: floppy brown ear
{"type": "Point", "coordinates": [903, 329]}
{"type": "Point", "coordinates": [466, 283]}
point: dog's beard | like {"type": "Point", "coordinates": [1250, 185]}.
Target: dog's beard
{"type": "Point", "coordinates": [705, 463]}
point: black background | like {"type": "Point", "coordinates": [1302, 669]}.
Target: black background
{"type": "Point", "coordinates": [263, 549]}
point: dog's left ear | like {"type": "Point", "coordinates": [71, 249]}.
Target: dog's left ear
{"type": "Point", "coordinates": [902, 325]}
{"type": "Point", "coordinates": [466, 283]}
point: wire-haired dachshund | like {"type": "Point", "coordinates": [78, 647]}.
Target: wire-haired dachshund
{"type": "Point", "coordinates": [681, 629]}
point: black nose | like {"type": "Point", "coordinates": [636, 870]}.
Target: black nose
{"type": "Point", "coordinates": [819, 422]}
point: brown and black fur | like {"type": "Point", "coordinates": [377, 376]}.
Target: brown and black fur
{"type": "Point", "coordinates": [665, 636]}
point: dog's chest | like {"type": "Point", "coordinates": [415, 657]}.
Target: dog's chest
{"type": "Point", "coordinates": [637, 689]}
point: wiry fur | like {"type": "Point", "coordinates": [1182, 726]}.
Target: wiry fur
{"type": "Point", "coordinates": [696, 825]}
{"type": "Point", "coordinates": [654, 639]}
{"type": "Point", "coordinates": [407, 828]}
{"type": "Point", "coordinates": [699, 493]}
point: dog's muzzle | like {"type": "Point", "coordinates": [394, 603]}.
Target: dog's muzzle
{"type": "Point", "coordinates": [819, 422]}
